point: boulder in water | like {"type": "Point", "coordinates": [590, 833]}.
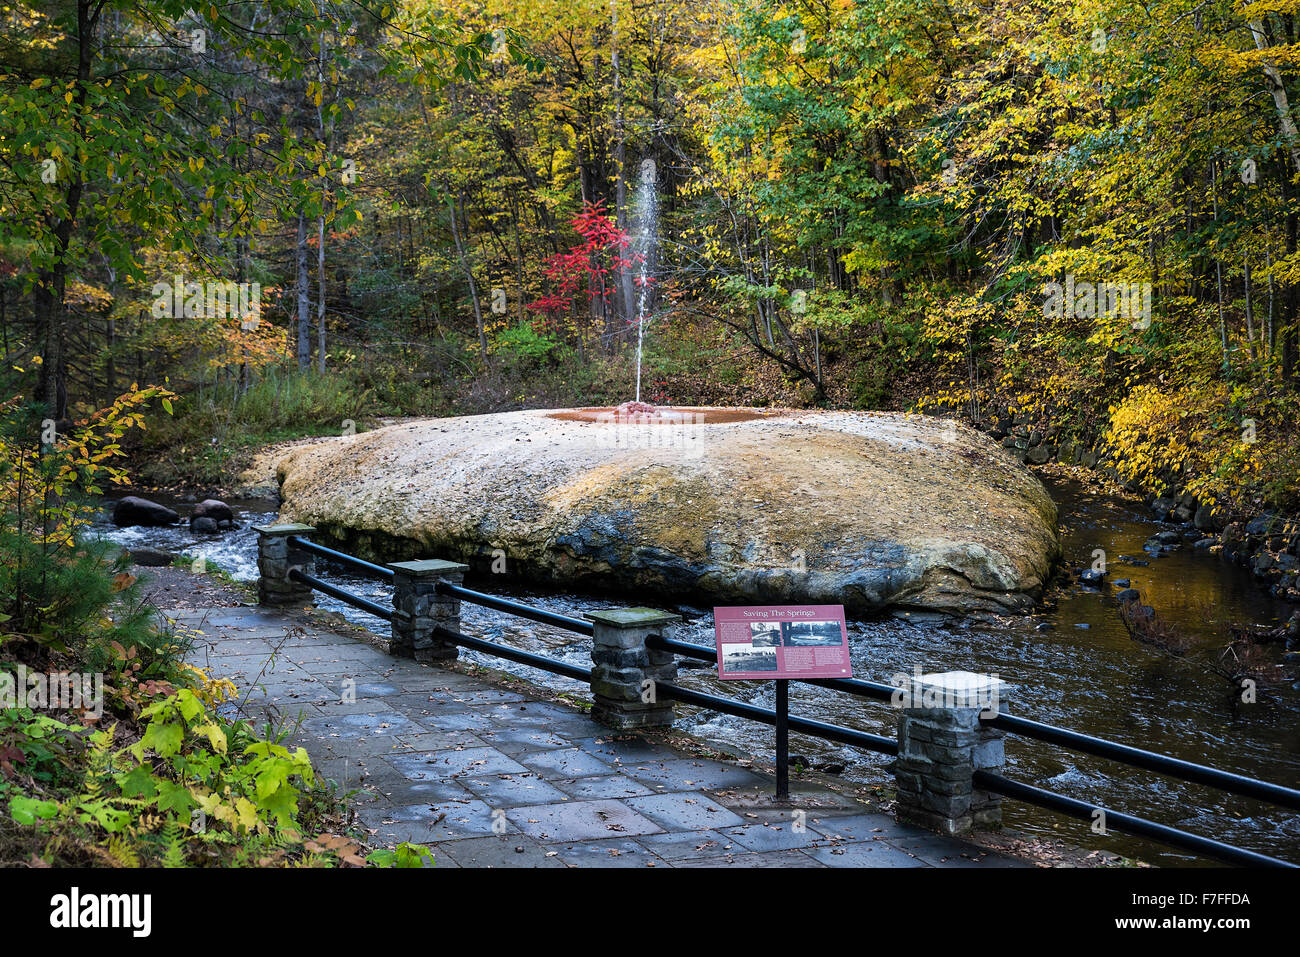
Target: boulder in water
{"type": "Point", "coordinates": [215, 509]}
{"type": "Point", "coordinates": [1208, 519]}
{"type": "Point", "coordinates": [151, 557]}
{"type": "Point", "coordinates": [133, 510]}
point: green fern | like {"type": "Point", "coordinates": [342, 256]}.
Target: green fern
{"type": "Point", "coordinates": [173, 837]}
{"type": "Point", "coordinates": [122, 850]}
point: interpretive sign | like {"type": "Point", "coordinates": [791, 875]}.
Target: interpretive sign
{"type": "Point", "coordinates": [782, 641]}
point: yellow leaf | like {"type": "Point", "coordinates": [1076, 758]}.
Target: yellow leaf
{"type": "Point", "coordinates": [216, 736]}
{"type": "Point", "coordinates": [247, 813]}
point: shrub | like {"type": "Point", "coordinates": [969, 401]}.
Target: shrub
{"type": "Point", "coordinates": [160, 776]}
{"type": "Point", "coordinates": [522, 346]}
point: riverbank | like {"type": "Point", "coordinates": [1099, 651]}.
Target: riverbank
{"type": "Point", "coordinates": [1263, 540]}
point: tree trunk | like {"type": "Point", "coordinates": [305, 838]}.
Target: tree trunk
{"type": "Point", "coordinates": [1286, 330]}
{"type": "Point", "coordinates": [1218, 267]}
{"type": "Point", "coordinates": [110, 373]}
{"type": "Point", "coordinates": [320, 287]}
{"type": "Point", "coordinates": [52, 384]}
{"type": "Point", "coordinates": [1250, 313]}
{"type": "Point", "coordinates": [320, 222]}
{"type": "Point", "coordinates": [304, 297]}
{"type": "Point", "coordinates": [1268, 333]}
{"type": "Point", "coordinates": [51, 314]}
{"type": "Point", "coordinates": [4, 324]}
{"type": "Point", "coordinates": [620, 164]}
{"type": "Point", "coordinates": [519, 260]}
{"type": "Point", "coordinates": [1277, 88]}
{"type": "Point", "coordinates": [469, 275]}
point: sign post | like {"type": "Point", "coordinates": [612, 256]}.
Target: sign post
{"type": "Point", "coordinates": [782, 739]}
{"type": "Point", "coordinates": [780, 642]}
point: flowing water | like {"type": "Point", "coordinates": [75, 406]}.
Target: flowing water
{"type": "Point", "coordinates": [1085, 674]}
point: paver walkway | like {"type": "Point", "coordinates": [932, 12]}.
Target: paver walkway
{"type": "Point", "coordinates": [491, 777]}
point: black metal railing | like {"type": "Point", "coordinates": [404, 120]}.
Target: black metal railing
{"type": "Point", "coordinates": [356, 601]}
{"type": "Point", "coordinates": [513, 654]}
{"type": "Point", "coordinates": [1150, 761]}
{"type": "Point", "coordinates": [1126, 823]}
{"type": "Point", "coordinates": [360, 564]}
{"type": "Point", "coordinates": [1135, 757]}
{"type": "Point", "coordinates": [516, 608]}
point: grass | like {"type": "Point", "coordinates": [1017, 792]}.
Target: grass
{"type": "Point", "coordinates": [210, 568]}
{"type": "Point", "coordinates": [214, 432]}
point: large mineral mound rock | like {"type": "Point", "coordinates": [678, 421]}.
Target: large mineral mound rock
{"type": "Point", "coordinates": [872, 510]}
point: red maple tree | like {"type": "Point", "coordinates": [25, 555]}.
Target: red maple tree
{"type": "Point", "coordinates": [603, 252]}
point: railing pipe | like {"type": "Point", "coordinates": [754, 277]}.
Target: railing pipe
{"type": "Point", "coordinates": [516, 608]}
{"type": "Point", "coordinates": [1137, 826]}
{"type": "Point", "coordinates": [514, 654]}
{"type": "Point", "coordinates": [360, 564]}
{"type": "Point", "coordinates": [356, 601]}
{"type": "Point", "coordinates": [1150, 761]}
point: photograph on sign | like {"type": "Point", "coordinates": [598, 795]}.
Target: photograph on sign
{"type": "Point", "coordinates": [795, 634]}
{"type": "Point", "coordinates": [782, 641]}
{"type": "Point", "coordinates": [745, 656]}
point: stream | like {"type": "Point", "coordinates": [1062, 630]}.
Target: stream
{"type": "Point", "coordinates": [1085, 673]}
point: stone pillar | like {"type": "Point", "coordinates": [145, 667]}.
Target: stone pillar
{"type": "Point", "coordinates": [418, 609]}
{"type": "Point", "coordinates": [275, 558]}
{"type": "Point", "coordinates": [622, 664]}
{"type": "Point", "coordinates": [942, 742]}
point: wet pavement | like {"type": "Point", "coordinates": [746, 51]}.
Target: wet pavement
{"type": "Point", "coordinates": [492, 777]}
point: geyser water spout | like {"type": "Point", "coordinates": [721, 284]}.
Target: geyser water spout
{"type": "Point", "coordinates": [647, 216]}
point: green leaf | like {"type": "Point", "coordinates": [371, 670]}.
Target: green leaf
{"type": "Point", "coordinates": [175, 797]}
{"type": "Point", "coordinates": [163, 737]}
{"type": "Point", "coordinates": [27, 810]}
{"type": "Point", "coordinates": [138, 782]}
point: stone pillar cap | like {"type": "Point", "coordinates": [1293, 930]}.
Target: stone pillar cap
{"type": "Point", "coordinates": [964, 689]}
{"type": "Point", "coordinates": [289, 528]}
{"type": "Point", "coordinates": [632, 617]}
{"type": "Point", "coordinates": [427, 568]}
{"type": "Point", "coordinates": [959, 680]}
